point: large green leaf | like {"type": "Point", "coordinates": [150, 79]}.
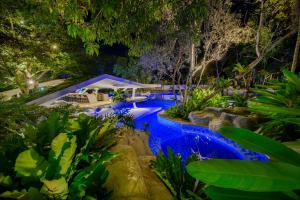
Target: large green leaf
{"type": "Point", "coordinates": [55, 189]}
{"type": "Point", "coordinates": [247, 175]}
{"type": "Point", "coordinates": [273, 109]}
{"type": "Point", "coordinates": [63, 149]}
{"type": "Point", "coordinates": [255, 142]}
{"type": "Point", "coordinates": [30, 164]}
{"type": "Point", "coordinates": [91, 178]}
{"type": "Point", "coordinates": [293, 78]}
{"type": "Point", "coordinates": [216, 193]}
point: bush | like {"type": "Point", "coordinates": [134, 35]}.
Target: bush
{"type": "Point", "coordinates": [196, 101]}
{"type": "Point", "coordinates": [118, 95]}
{"type": "Point", "coordinates": [171, 170]}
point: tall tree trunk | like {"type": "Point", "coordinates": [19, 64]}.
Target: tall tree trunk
{"type": "Point", "coordinates": [296, 52]}
{"type": "Point", "coordinates": [261, 22]}
{"type": "Point", "coordinates": [176, 71]}
{"type": "Point", "coordinates": [192, 67]}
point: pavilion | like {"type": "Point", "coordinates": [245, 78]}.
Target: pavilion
{"type": "Point", "coordinates": [104, 81]}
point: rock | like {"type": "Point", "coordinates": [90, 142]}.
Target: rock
{"type": "Point", "coordinates": [156, 188]}
{"type": "Point", "coordinates": [136, 139]}
{"type": "Point", "coordinates": [238, 111]}
{"type": "Point", "coordinates": [228, 116]}
{"type": "Point", "coordinates": [217, 124]}
{"type": "Point", "coordinates": [201, 118]}
{"type": "Point", "coordinates": [125, 175]}
{"type": "Point", "coordinates": [216, 111]}
{"type": "Point", "coordinates": [243, 122]}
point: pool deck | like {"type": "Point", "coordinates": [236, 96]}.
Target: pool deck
{"type": "Point", "coordinates": [94, 105]}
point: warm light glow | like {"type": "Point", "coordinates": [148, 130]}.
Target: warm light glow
{"type": "Point", "coordinates": [54, 46]}
{"type": "Point", "coordinates": [30, 82]}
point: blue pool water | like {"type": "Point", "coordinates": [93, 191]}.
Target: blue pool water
{"type": "Point", "coordinates": [185, 139]}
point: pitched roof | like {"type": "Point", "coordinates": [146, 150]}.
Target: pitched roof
{"type": "Point", "coordinates": [102, 81]}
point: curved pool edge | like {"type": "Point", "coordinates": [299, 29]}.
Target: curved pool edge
{"type": "Point", "coordinates": [188, 128]}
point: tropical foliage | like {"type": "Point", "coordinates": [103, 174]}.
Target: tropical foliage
{"type": "Point", "coordinates": [275, 179]}
{"type": "Point", "coordinates": [29, 49]}
{"type": "Point", "coordinates": [118, 95]}
{"type": "Point", "coordinates": [279, 102]}
{"type": "Point", "coordinates": [171, 170]}
{"type": "Point", "coordinates": [234, 179]}
{"type": "Point", "coordinates": [60, 158]}
{"type": "Point", "coordinates": [198, 100]}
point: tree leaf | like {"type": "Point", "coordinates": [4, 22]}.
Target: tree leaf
{"type": "Point", "coordinates": [247, 175]}
{"type": "Point", "coordinates": [262, 144]}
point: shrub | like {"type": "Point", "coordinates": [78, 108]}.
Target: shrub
{"type": "Point", "coordinates": [171, 170]}
{"type": "Point", "coordinates": [197, 101]}
{"type": "Point", "coordinates": [118, 95]}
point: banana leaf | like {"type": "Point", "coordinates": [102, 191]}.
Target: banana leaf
{"type": "Point", "coordinates": [262, 144]}
{"type": "Point", "coordinates": [273, 109]}
{"type": "Point", "coordinates": [293, 78]}
{"type": "Point", "coordinates": [247, 175]}
{"type": "Point", "coordinates": [217, 193]}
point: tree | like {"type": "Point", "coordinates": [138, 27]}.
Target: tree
{"type": "Point", "coordinates": [273, 28]}
{"type": "Point", "coordinates": [130, 22]}
{"type": "Point", "coordinates": [132, 70]}
{"type": "Point", "coordinates": [296, 52]}
{"type": "Point", "coordinates": [30, 46]}
{"type": "Point", "coordinates": [221, 31]}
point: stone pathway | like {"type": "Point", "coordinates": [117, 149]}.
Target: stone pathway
{"type": "Point", "coordinates": [131, 177]}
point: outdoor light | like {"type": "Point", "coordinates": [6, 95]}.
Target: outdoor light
{"type": "Point", "coordinates": [54, 46]}
{"type": "Point", "coordinates": [30, 82]}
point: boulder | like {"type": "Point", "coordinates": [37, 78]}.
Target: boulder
{"type": "Point", "coordinates": [228, 116]}
{"type": "Point", "coordinates": [216, 111]}
{"type": "Point", "coordinates": [217, 123]}
{"type": "Point", "coordinates": [125, 175]}
{"type": "Point", "coordinates": [201, 118]}
{"type": "Point", "coordinates": [238, 111]}
{"type": "Point", "coordinates": [244, 122]}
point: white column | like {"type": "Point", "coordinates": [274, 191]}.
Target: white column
{"type": "Point", "coordinates": [133, 92]}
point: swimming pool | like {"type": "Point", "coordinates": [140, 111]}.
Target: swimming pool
{"type": "Point", "coordinates": [185, 139]}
